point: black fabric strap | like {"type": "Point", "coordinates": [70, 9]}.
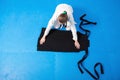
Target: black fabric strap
{"type": "Point", "coordinates": [85, 22]}
{"type": "Point", "coordinates": [81, 67]}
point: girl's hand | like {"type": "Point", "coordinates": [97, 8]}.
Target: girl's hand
{"type": "Point", "coordinates": [77, 45]}
{"type": "Point", "coordinates": [42, 40]}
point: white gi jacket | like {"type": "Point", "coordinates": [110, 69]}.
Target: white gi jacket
{"type": "Point", "coordinates": [53, 22]}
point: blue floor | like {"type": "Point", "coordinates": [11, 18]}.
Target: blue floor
{"type": "Point", "coordinates": [21, 23]}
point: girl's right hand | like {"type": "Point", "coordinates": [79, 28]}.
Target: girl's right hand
{"type": "Point", "coordinates": [42, 40]}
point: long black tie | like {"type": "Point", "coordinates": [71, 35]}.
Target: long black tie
{"type": "Point", "coordinates": [80, 62]}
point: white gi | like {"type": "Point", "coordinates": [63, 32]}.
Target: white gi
{"type": "Point", "coordinates": [53, 22]}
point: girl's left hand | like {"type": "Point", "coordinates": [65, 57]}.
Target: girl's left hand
{"type": "Point", "coordinates": [77, 45]}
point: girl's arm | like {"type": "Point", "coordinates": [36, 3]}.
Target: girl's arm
{"type": "Point", "coordinates": [49, 27]}
{"type": "Point", "coordinates": [74, 31]}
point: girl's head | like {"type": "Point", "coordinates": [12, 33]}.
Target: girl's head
{"type": "Point", "coordinates": [62, 18]}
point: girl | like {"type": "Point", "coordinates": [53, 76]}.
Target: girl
{"type": "Point", "coordinates": [63, 16]}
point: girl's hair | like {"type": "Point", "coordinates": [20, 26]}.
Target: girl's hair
{"type": "Point", "coordinates": [63, 17]}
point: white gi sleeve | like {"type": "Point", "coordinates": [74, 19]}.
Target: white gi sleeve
{"type": "Point", "coordinates": [74, 32]}
{"type": "Point", "coordinates": [72, 27]}
{"type": "Point", "coordinates": [50, 24]}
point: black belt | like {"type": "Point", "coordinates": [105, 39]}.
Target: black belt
{"type": "Point", "coordinates": [80, 62]}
